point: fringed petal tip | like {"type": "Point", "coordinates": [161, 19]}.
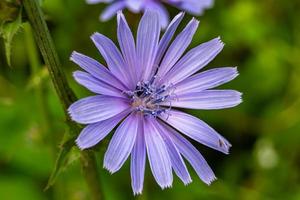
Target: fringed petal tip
{"type": "Point", "coordinates": [236, 72]}
{"type": "Point", "coordinates": [187, 182]}
{"type": "Point", "coordinates": [240, 94]}
{"type": "Point", "coordinates": [225, 149]}
{"type": "Point", "coordinates": [70, 112]}
{"type": "Point", "coordinates": [140, 191]}
{"type": "Point", "coordinates": [109, 168]}
{"type": "Point", "coordinates": [75, 74]}
{"type": "Point", "coordinates": [194, 23]}
{"type": "Point", "coordinates": [137, 191]}
{"type": "Point", "coordinates": [224, 145]}
{"type": "Point", "coordinates": [80, 145]}
{"type": "Point", "coordinates": [166, 186]}
{"type": "Point", "coordinates": [219, 40]}
{"type": "Point", "coordinates": [210, 180]}
{"type": "Point", "coordinates": [73, 56]}
{"type": "Point", "coordinates": [94, 35]}
{"type": "Point", "coordinates": [236, 98]}
{"type": "Point", "coordinates": [194, 20]}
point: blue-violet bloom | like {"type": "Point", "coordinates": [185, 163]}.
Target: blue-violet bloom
{"type": "Point", "coordinates": [145, 81]}
{"type": "Point", "coordinates": [194, 7]}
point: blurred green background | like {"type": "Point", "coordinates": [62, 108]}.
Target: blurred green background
{"type": "Point", "coordinates": [262, 38]}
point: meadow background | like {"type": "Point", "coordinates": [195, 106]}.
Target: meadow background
{"type": "Point", "coordinates": [262, 38]}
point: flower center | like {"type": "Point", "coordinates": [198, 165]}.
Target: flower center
{"type": "Point", "coordinates": [147, 96]}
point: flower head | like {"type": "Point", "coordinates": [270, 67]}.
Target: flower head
{"type": "Point", "coordinates": [146, 80]}
{"type": "Point", "coordinates": [194, 7]}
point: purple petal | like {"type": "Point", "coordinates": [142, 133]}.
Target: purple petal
{"type": "Point", "coordinates": [158, 155]}
{"type": "Point", "coordinates": [112, 10]}
{"type": "Point", "coordinates": [134, 5]}
{"type": "Point", "coordinates": [112, 56]}
{"type": "Point", "coordinates": [197, 130]}
{"type": "Point", "coordinates": [162, 11]}
{"type": "Point", "coordinates": [207, 100]}
{"type": "Point", "coordinates": [166, 38]}
{"type": "Point", "coordinates": [147, 42]}
{"type": "Point", "coordinates": [178, 47]}
{"type": "Point", "coordinates": [98, 1]}
{"type": "Point", "coordinates": [138, 160]}
{"type": "Point", "coordinates": [97, 108]}
{"type": "Point", "coordinates": [127, 46]}
{"type": "Point", "coordinates": [176, 159]}
{"type": "Point", "coordinates": [206, 80]}
{"type": "Point", "coordinates": [193, 156]}
{"type": "Point", "coordinates": [194, 60]}
{"type": "Point", "coordinates": [95, 85]}
{"type": "Point", "coordinates": [121, 143]}
{"type": "Point", "coordinates": [196, 7]}
{"type": "Point", "coordinates": [97, 70]}
{"type": "Point", "coordinates": [94, 133]}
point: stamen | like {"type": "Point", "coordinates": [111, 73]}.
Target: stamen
{"type": "Point", "coordinates": [161, 99]}
{"type": "Point", "coordinates": [147, 96]}
{"type": "Point", "coordinates": [161, 90]}
{"type": "Point", "coordinates": [128, 93]}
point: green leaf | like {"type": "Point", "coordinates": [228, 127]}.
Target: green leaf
{"type": "Point", "coordinates": [7, 31]}
{"type": "Point", "coordinates": [64, 159]}
{"type": "Point", "coordinates": [8, 10]}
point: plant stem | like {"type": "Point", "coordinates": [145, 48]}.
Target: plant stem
{"type": "Point", "coordinates": [38, 85]}
{"type": "Point", "coordinates": [39, 88]}
{"type": "Point", "coordinates": [47, 49]}
{"type": "Point", "coordinates": [89, 167]}
{"type": "Point", "coordinates": [66, 95]}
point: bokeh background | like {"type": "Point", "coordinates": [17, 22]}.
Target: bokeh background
{"type": "Point", "coordinates": [262, 38]}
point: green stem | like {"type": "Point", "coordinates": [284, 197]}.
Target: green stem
{"type": "Point", "coordinates": [35, 67]}
{"type": "Point", "coordinates": [39, 89]}
{"type": "Point", "coordinates": [47, 49]}
{"type": "Point", "coordinates": [66, 95]}
{"type": "Point", "coordinates": [89, 168]}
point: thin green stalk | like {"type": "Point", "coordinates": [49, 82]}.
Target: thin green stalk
{"type": "Point", "coordinates": [47, 49]}
{"type": "Point", "coordinates": [35, 67]}
{"type": "Point", "coordinates": [89, 167]}
{"type": "Point", "coordinates": [66, 95]}
{"type": "Point", "coordinates": [39, 89]}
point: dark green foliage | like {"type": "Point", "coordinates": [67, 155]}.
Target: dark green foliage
{"type": "Point", "coordinates": [10, 23]}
